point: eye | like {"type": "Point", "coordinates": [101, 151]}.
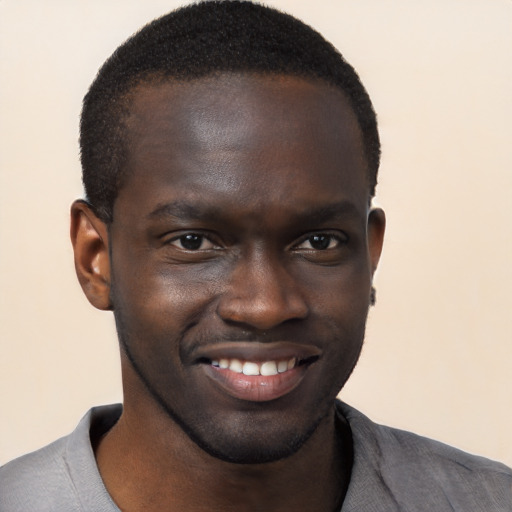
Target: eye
{"type": "Point", "coordinates": [321, 242]}
{"type": "Point", "coordinates": [193, 242]}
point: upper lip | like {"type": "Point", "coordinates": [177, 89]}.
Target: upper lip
{"type": "Point", "coordinates": [256, 351]}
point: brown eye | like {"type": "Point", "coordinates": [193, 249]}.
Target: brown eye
{"type": "Point", "coordinates": [320, 242]}
{"type": "Point", "coordinates": [193, 242]}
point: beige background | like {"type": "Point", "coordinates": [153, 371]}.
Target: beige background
{"type": "Point", "coordinates": [438, 356]}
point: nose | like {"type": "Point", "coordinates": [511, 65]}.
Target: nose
{"type": "Point", "coordinates": [261, 294]}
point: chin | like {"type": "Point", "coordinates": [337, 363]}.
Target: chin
{"type": "Point", "coordinates": [249, 447]}
{"type": "Point", "coordinates": [253, 437]}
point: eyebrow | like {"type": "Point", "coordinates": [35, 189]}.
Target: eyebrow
{"type": "Point", "coordinates": [342, 209]}
{"type": "Point", "coordinates": [185, 210]}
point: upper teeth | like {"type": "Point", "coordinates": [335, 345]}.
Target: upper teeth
{"type": "Point", "coordinates": [266, 368]}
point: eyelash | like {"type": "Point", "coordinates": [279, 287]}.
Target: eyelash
{"type": "Point", "coordinates": [341, 240]}
{"type": "Point", "coordinates": [193, 238]}
{"type": "Point", "coordinates": [198, 239]}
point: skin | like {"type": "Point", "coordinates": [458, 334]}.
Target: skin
{"type": "Point", "coordinates": [267, 177]}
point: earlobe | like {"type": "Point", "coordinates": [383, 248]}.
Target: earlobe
{"type": "Point", "coordinates": [376, 229]}
{"type": "Point", "coordinates": [89, 236]}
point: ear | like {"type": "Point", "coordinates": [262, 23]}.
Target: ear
{"type": "Point", "coordinates": [376, 228]}
{"type": "Point", "coordinates": [89, 236]}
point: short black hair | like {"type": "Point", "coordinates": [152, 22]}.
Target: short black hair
{"type": "Point", "coordinates": [196, 41]}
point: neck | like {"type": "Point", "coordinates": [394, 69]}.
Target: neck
{"type": "Point", "coordinates": [153, 465]}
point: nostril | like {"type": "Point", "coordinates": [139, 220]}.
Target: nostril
{"type": "Point", "coordinates": [261, 294]}
{"type": "Point", "coordinates": [260, 313]}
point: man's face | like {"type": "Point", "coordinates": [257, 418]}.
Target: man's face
{"type": "Point", "coordinates": [239, 244]}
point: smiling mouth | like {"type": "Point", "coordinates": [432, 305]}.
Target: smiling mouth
{"type": "Point", "coordinates": [265, 369]}
{"type": "Point", "coordinates": [255, 371]}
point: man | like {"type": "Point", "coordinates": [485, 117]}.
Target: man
{"type": "Point", "coordinates": [229, 159]}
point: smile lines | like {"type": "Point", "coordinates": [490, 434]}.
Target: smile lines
{"type": "Point", "coordinates": [267, 368]}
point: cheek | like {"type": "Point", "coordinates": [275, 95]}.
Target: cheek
{"type": "Point", "coordinates": [157, 298]}
{"type": "Point", "coordinates": [339, 309]}
{"type": "Point", "coordinates": [341, 291]}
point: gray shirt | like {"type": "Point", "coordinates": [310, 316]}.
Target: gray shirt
{"type": "Point", "coordinates": [393, 471]}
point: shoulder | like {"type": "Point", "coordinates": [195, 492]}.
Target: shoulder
{"type": "Point", "coordinates": [59, 476]}
{"type": "Point", "coordinates": [412, 469]}
{"type": "Point", "coordinates": [37, 481]}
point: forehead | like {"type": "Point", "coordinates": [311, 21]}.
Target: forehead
{"type": "Point", "coordinates": [240, 132]}
{"type": "Point", "coordinates": [224, 102]}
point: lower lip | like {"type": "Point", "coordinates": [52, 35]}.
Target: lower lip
{"type": "Point", "coordinates": [256, 388]}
